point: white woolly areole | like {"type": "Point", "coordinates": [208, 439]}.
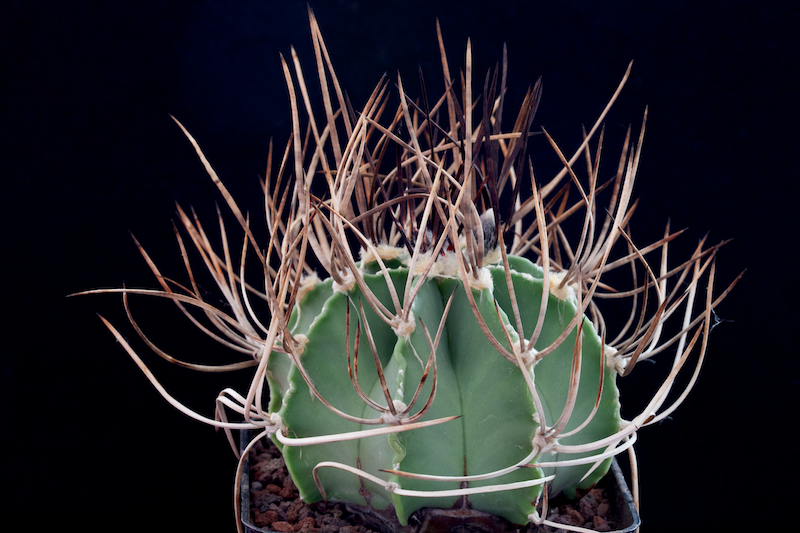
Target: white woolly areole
{"type": "Point", "coordinates": [482, 281]}
{"type": "Point", "coordinates": [347, 284]}
{"type": "Point", "coordinates": [614, 361]}
{"type": "Point", "coordinates": [385, 251]}
{"type": "Point", "coordinates": [447, 265]}
{"type": "Point", "coordinates": [546, 444]}
{"type": "Point", "coordinates": [300, 341]}
{"type": "Point", "coordinates": [567, 292]}
{"type": "Point", "coordinates": [400, 408]}
{"type": "Point", "coordinates": [528, 356]}
{"type": "Point", "coordinates": [493, 257]}
{"type": "Point", "coordinates": [422, 262]}
{"type": "Point", "coordinates": [306, 284]}
{"type": "Point", "coordinates": [404, 328]}
{"type": "Point", "coordinates": [275, 420]}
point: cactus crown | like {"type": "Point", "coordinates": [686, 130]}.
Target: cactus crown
{"type": "Point", "coordinates": [420, 215]}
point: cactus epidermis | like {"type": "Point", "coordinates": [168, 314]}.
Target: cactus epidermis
{"type": "Point", "coordinates": [498, 419]}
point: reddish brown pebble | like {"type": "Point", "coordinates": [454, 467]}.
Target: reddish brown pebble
{"type": "Point", "coordinates": [282, 527]}
{"type": "Point", "coordinates": [296, 511]}
{"type": "Point", "coordinates": [306, 525]}
{"type": "Point", "coordinates": [575, 517]}
{"type": "Point", "coordinates": [265, 519]}
{"type": "Point", "coordinates": [600, 524]}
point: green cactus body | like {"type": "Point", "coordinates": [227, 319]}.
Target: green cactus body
{"type": "Point", "coordinates": [498, 421]}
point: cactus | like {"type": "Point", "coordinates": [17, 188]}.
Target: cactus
{"type": "Point", "coordinates": [490, 393]}
{"type": "Point", "coordinates": [455, 353]}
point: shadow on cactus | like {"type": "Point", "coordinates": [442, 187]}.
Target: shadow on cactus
{"type": "Point", "coordinates": [455, 353]}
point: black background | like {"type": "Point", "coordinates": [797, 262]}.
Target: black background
{"type": "Point", "coordinates": [89, 153]}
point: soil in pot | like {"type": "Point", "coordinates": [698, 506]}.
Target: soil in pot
{"type": "Point", "coordinates": [274, 505]}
